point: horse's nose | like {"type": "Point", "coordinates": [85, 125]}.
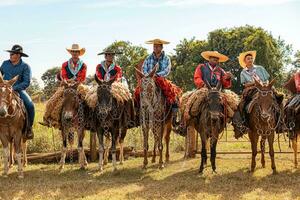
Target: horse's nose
{"type": "Point", "coordinates": [68, 116]}
{"type": "Point", "coordinates": [3, 111]}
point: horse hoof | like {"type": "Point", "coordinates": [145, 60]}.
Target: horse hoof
{"type": "Point", "coordinates": [214, 172]}
{"type": "Point", "coordinates": [4, 175]}
{"type": "Point", "coordinates": [100, 169]}
{"type": "Point", "coordinates": [152, 161]}
{"type": "Point", "coordinates": [275, 172]}
{"type": "Point", "coordinates": [144, 167]}
{"type": "Point", "coordinates": [161, 166]}
{"type": "Point", "coordinates": [21, 176]}
{"type": "Point", "coordinates": [121, 163]}
{"type": "Point", "coordinates": [83, 167]}
{"type": "Point", "coordinates": [200, 172]}
{"type": "Point", "coordinates": [115, 169]}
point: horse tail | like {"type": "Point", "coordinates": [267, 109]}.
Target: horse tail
{"type": "Point", "coordinates": [71, 138]}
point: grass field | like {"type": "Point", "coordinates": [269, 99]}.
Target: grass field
{"type": "Point", "coordinates": [178, 180]}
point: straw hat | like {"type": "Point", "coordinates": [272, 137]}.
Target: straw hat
{"type": "Point", "coordinates": [243, 55]}
{"type": "Point", "coordinates": [207, 54]}
{"type": "Point", "coordinates": [157, 41]}
{"type": "Point", "coordinates": [76, 47]}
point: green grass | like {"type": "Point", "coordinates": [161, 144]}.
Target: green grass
{"type": "Point", "coordinates": [178, 180]}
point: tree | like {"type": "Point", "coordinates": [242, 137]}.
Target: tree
{"type": "Point", "coordinates": [272, 53]}
{"type": "Point", "coordinates": [34, 87]}
{"type": "Point", "coordinates": [50, 83]}
{"type": "Point", "coordinates": [187, 57]}
{"type": "Point", "coordinates": [128, 60]}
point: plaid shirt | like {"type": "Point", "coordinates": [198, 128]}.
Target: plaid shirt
{"type": "Point", "coordinates": [164, 64]}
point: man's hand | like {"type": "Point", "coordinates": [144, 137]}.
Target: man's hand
{"type": "Point", "coordinates": [228, 75]}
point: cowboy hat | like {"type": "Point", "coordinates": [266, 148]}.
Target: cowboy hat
{"type": "Point", "coordinates": [157, 41]}
{"type": "Point", "coordinates": [109, 51]}
{"type": "Point", "coordinates": [207, 54]}
{"type": "Point", "coordinates": [76, 47]}
{"type": "Point", "coordinates": [17, 49]}
{"type": "Point", "coordinates": [243, 55]}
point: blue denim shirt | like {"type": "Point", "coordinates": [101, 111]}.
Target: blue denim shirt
{"type": "Point", "coordinates": [22, 69]}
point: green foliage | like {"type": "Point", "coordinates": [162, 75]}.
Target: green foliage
{"type": "Point", "coordinates": [50, 83]}
{"type": "Point", "coordinates": [34, 88]}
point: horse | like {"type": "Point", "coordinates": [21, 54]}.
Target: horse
{"type": "Point", "coordinates": [262, 121]}
{"type": "Point", "coordinates": [209, 123]}
{"type": "Point", "coordinates": [292, 122]}
{"type": "Point", "coordinates": [12, 125]}
{"type": "Point", "coordinates": [73, 119]}
{"type": "Point", "coordinates": [109, 118]}
{"type": "Point", "coordinates": [154, 115]}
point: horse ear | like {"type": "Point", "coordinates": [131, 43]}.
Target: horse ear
{"type": "Point", "coordinates": [139, 73]}
{"type": "Point", "coordinates": [257, 83]}
{"type": "Point", "coordinates": [97, 80]}
{"type": "Point", "coordinates": [110, 81]}
{"type": "Point", "coordinates": [1, 78]}
{"type": "Point", "coordinates": [219, 86]}
{"type": "Point", "coordinates": [13, 80]}
{"type": "Point", "coordinates": [272, 83]}
{"type": "Point", "coordinates": [207, 84]}
{"type": "Point", "coordinates": [151, 74]}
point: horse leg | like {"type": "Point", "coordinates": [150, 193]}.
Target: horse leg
{"type": "Point", "coordinates": [5, 145]}
{"type": "Point", "coordinates": [160, 145]}
{"type": "Point", "coordinates": [63, 151]}
{"type": "Point", "coordinates": [24, 150]}
{"type": "Point", "coordinates": [113, 147]}
{"type": "Point", "coordinates": [11, 154]}
{"type": "Point", "coordinates": [203, 154]}
{"type": "Point", "coordinates": [106, 150]}
{"type": "Point", "coordinates": [81, 155]}
{"type": "Point", "coordinates": [213, 153]}
{"type": "Point", "coordinates": [154, 150]}
{"type": "Point", "coordinates": [271, 152]}
{"type": "Point", "coordinates": [146, 146]}
{"type": "Point", "coordinates": [17, 146]}
{"type": "Point", "coordinates": [294, 145]}
{"type": "Point", "coordinates": [167, 140]}
{"type": "Point", "coordinates": [262, 148]}
{"type": "Point", "coordinates": [101, 148]}
{"type": "Point", "coordinates": [254, 140]}
{"type": "Point", "coordinates": [121, 142]}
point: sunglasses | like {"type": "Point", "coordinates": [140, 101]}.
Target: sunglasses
{"type": "Point", "coordinates": [109, 54]}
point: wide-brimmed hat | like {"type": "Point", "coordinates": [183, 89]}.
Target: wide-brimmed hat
{"type": "Point", "coordinates": [17, 49]}
{"type": "Point", "coordinates": [109, 51]}
{"type": "Point", "coordinates": [243, 55]}
{"type": "Point", "coordinates": [207, 54]}
{"type": "Point", "coordinates": [157, 41]}
{"type": "Point", "coordinates": [76, 47]}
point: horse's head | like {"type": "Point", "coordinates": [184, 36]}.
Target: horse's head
{"type": "Point", "coordinates": [148, 86]}
{"type": "Point", "coordinates": [215, 106]}
{"type": "Point", "coordinates": [6, 95]}
{"type": "Point", "coordinates": [265, 99]}
{"type": "Point", "coordinates": [70, 99]}
{"type": "Point", "coordinates": [104, 94]}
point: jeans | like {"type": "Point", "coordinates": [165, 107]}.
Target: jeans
{"type": "Point", "coordinates": [28, 105]}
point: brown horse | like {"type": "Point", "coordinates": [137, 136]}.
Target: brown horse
{"type": "Point", "coordinates": [72, 120]}
{"type": "Point", "coordinates": [262, 121]}
{"type": "Point", "coordinates": [154, 115]}
{"type": "Point", "coordinates": [12, 124]}
{"type": "Point", "coordinates": [292, 120]}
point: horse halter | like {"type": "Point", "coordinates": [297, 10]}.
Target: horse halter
{"type": "Point", "coordinates": [8, 102]}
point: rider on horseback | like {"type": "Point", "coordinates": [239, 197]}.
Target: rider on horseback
{"type": "Point", "coordinates": [73, 69]}
{"type": "Point", "coordinates": [16, 66]}
{"type": "Point", "coordinates": [250, 73]}
{"type": "Point", "coordinates": [160, 60]}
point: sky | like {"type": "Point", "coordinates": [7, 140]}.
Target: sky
{"type": "Point", "coordinates": [45, 28]}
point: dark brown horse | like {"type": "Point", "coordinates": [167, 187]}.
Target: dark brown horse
{"type": "Point", "coordinates": [109, 119]}
{"type": "Point", "coordinates": [210, 123]}
{"type": "Point", "coordinates": [12, 123]}
{"type": "Point", "coordinates": [156, 115]}
{"type": "Point", "coordinates": [73, 120]}
{"type": "Point", "coordinates": [262, 121]}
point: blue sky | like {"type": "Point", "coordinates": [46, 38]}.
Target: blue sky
{"type": "Point", "coordinates": [46, 27]}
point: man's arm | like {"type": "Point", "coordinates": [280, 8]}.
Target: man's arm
{"type": "Point", "coordinates": [26, 80]}
{"type": "Point", "coordinates": [165, 68]}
